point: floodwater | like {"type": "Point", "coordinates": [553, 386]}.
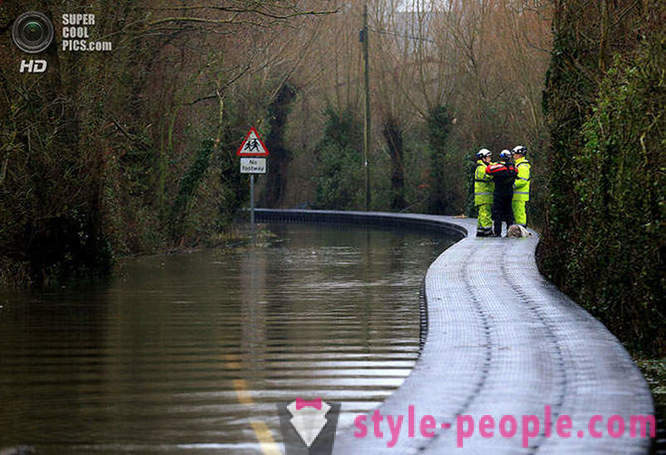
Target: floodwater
{"type": "Point", "coordinates": [190, 353]}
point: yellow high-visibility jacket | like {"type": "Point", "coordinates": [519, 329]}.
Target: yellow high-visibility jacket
{"type": "Point", "coordinates": [483, 185]}
{"type": "Point", "coordinates": [521, 187]}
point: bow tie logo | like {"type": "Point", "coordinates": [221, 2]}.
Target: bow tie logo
{"type": "Point", "coordinates": [308, 426]}
{"type": "Point", "coordinates": [301, 403]}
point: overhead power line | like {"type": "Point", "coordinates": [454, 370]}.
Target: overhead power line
{"type": "Point", "coordinates": [401, 35]}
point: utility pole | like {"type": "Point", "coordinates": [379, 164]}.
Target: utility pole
{"type": "Point", "coordinates": [366, 122]}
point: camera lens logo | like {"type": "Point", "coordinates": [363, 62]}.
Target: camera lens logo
{"type": "Point", "coordinates": [32, 32]}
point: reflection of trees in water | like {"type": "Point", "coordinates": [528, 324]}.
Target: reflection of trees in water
{"type": "Point", "coordinates": [154, 354]}
{"type": "Point", "coordinates": [254, 287]}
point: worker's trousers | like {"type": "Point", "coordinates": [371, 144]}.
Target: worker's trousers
{"type": "Point", "coordinates": [502, 211]}
{"type": "Point", "coordinates": [519, 212]}
{"type": "Point", "coordinates": [484, 225]}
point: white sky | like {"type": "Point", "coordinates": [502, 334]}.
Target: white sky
{"type": "Point", "coordinates": [413, 5]}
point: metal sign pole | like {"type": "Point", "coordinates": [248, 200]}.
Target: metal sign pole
{"type": "Point", "coordinates": [252, 200]}
{"type": "Point", "coordinates": [253, 154]}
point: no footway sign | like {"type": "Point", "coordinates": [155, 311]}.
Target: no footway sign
{"type": "Point", "coordinates": [253, 165]}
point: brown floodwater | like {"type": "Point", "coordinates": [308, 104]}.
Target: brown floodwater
{"type": "Point", "coordinates": [190, 353]}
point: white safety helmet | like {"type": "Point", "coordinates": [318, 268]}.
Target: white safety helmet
{"type": "Point", "coordinates": [505, 154]}
{"type": "Point", "coordinates": [483, 153]}
{"type": "Point", "coordinates": [521, 149]}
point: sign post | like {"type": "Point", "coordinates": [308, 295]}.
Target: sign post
{"type": "Point", "coordinates": [252, 200]}
{"type": "Point", "coordinates": [253, 160]}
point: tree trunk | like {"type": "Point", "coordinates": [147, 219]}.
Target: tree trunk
{"type": "Point", "coordinates": [279, 155]}
{"type": "Point", "coordinates": [393, 136]}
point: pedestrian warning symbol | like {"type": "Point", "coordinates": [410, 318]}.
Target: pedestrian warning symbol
{"type": "Point", "coordinates": [252, 145]}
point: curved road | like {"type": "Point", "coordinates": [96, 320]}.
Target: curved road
{"type": "Point", "coordinates": [501, 340]}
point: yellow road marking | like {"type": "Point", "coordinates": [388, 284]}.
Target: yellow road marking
{"type": "Point", "coordinates": [242, 392]}
{"type": "Point", "coordinates": [233, 361]}
{"type": "Point", "coordinates": [266, 441]}
{"type": "Point", "coordinates": [261, 430]}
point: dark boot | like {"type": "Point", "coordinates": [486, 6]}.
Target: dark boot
{"type": "Point", "coordinates": [484, 231]}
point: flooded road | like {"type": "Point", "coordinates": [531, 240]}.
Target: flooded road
{"type": "Point", "coordinates": [191, 353]}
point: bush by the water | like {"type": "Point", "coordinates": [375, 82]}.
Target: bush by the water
{"type": "Point", "coordinates": [604, 242]}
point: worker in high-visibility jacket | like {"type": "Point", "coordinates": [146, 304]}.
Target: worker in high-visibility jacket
{"type": "Point", "coordinates": [521, 187]}
{"type": "Point", "coordinates": [483, 193]}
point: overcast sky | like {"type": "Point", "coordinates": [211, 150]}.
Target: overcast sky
{"type": "Point", "coordinates": [412, 5]}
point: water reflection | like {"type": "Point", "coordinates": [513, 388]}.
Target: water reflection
{"type": "Point", "coordinates": [189, 353]}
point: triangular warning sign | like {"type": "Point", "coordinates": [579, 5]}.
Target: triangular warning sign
{"type": "Point", "coordinates": [252, 145]}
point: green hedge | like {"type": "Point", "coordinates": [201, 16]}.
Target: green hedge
{"type": "Point", "coordinates": [604, 243]}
